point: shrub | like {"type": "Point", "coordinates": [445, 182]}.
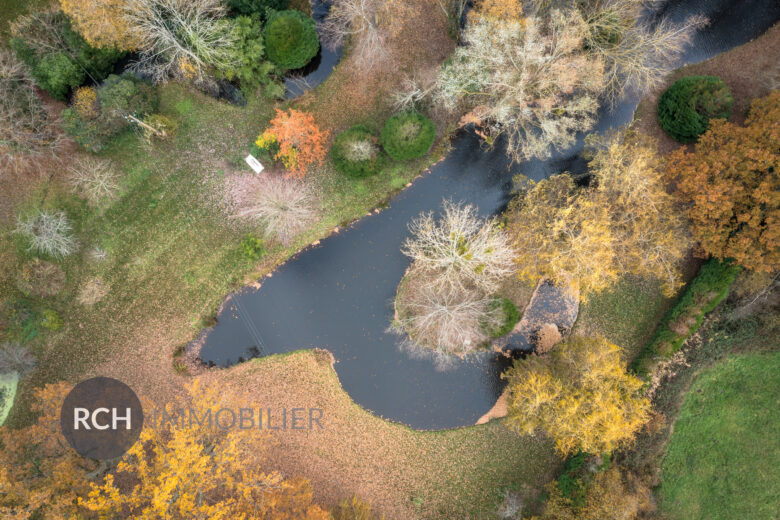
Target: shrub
{"type": "Point", "coordinates": [259, 7]}
{"type": "Point", "coordinates": [685, 108]}
{"type": "Point", "coordinates": [126, 95]}
{"type": "Point", "coordinates": [252, 248]}
{"type": "Point", "coordinates": [284, 207]}
{"type": "Point", "coordinates": [15, 358]}
{"type": "Point", "coordinates": [247, 62]}
{"type": "Point", "coordinates": [51, 320]}
{"type": "Point", "coordinates": [703, 294]}
{"type": "Point", "coordinates": [408, 135]}
{"type": "Point", "coordinates": [294, 139]}
{"type": "Point", "coordinates": [355, 152]}
{"type": "Point", "coordinates": [57, 74]}
{"type": "Point", "coordinates": [48, 232]}
{"type": "Point", "coordinates": [165, 126]}
{"type": "Point", "coordinates": [118, 97]}
{"type": "Point", "coordinates": [94, 179]}
{"type": "Point", "coordinates": [40, 278]}
{"type": "Point", "coordinates": [59, 57]}
{"type": "Point", "coordinates": [509, 313]}
{"type": "Point", "coordinates": [291, 39]}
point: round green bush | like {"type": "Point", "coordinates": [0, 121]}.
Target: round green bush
{"type": "Point", "coordinates": [511, 315]}
{"type": "Point", "coordinates": [291, 39]}
{"type": "Point", "coordinates": [355, 152]}
{"type": "Point", "coordinates": [58, 74]}
{"type": "Point", "coordinates": [408, 135]}
{"type": "Point", "coordinates": [685, 108]}
{"type": "Point", "coordinates": [258, 7]}
{"type": "Point", "coordinates": [252, 248]}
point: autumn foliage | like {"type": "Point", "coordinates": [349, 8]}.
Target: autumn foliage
{"type": "Point", "coordinates": [172, 473]}
{"type": "Point", "coordinates": [101, 22]}
{"type": "Point", "coordinates": [580, 394]}
{"type": "Point", "coordinates": [625, 222]}
{"type": "Point", "coordinates": [731, 186]}
{"type": "Point", "coordinates": [296, 141]}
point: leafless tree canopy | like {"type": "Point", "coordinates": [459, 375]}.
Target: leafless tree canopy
{"type": "Point", "coordinates": [49, 232]}
{"type": "Point", "coordinates": [15, 358]}
{"type": "Point", "coordinates": [27, 132]}
{"type": "Point", "coordinates": [180, 38]}
{"type": "Point", "coordinates": [460, 249]}
{"type": "Point", "coordinates": [636, 54]}
{"type": "Point", "coordinates": [94, 179]}
{"type": "Point", "coordinates": [358, 22]}
{"type": "Point", "coordinates": [450, 321]}
{"type": "Point", "coordinates": [459, 261]}
{"type": "Point", "coordinates": [284, 207]}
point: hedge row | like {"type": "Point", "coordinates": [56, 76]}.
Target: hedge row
{"type": "Point", "coordinates": [702, 295]}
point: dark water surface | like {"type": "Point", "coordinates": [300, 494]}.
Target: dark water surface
{"type": "Point", "coordinates": [338, 295]}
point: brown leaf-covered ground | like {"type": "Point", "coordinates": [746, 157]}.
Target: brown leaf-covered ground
{"type": "Point", "coordinates": [750, 71]}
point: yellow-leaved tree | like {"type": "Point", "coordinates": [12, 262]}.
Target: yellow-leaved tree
{"type": "Point", "coordinates": [625, 222]}
{"type": "Point", "coordinates": [580, 394]}
{"type": "Point", "coordinates": [175, 472]}
{"type": "Point", "coordinates": [101, 22]}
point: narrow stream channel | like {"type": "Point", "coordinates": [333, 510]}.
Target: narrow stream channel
{"type": "Point", "coordinates": [339, 294]}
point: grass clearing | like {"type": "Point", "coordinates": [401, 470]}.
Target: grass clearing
{"type": "Point", "coordinates": [723, 459]}
{"type": "Point", "coordinates": [456, 473]}
{"type": "Point", "coordinates": [8, 384]}
{"type": "Point", "coordinates": [626, 314]}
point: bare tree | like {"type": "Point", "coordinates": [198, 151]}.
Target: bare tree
{"type": "Point", "coordinates": [460, 249]}
{"type": "Point", "coordinates": [359, 22]}
{"type": "Point", "coordinates": [284, 207]}
{"type": "Point", "coordinates": [180, 38]}
{"type": "Point", "coordinates": [530, 79]}
{"type": "Point", "coordinates": [27, 133]}
{"type": "Point", "coordinates": [637, 54]}
{"type": "Point", "coordinates": [449, 321]}
{"type": "Point", "coordinates": [15, 358]}
{"type": "Point", "coordinates": [94, 179]}
{"type": "Point", "coordinates": [49, 232]}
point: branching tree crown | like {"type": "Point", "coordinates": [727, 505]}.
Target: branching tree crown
{"type": "Point", "coordinates": [580, 394]}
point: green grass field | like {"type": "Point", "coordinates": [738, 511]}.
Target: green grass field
{"type": "Point", "coordinates": [723, 459]}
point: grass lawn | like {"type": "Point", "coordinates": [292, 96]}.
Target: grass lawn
{"type": "Point", "coordinates": [723, 459]}
{"type": "Point", "coordinates": [456, 473]}
{"type": "Point", "coordinates": [8, 384]}
{"type": "Point", "coordinates": [169, 254]}
{"type": "Point", "coordinates": [625, 314]}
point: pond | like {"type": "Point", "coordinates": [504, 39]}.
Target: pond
{"type": "Point", "coordinates": [339, 294]}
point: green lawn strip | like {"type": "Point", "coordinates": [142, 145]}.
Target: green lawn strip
{"type": "Point", "coordinates": [8, 384]}
{"type": "Point", "coordinates": [625, 314]}
{"type": "Point", "coordinates": [723, 459]}
{"type": "Point", "coordinates": [703, 294]}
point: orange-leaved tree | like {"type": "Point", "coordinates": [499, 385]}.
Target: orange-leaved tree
{"type": "Point", "coordinates": [498, 10]}
{"type": "Point", "coordinates": [101, 22]}
{"type": "Point", "coordinates": [294, 139]}
{"type": "Point", "coordinates": [731, 186]}
{"type": "Point", "coordinates": [580, 394]}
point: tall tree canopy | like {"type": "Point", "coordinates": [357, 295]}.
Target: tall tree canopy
{"type": "Point", "coordinates": [173, 473]}
{"type": "Point", "coordinates": [623, 223]}
{"type": "Point", "coordinates": [580, 394]}
{"type": "Point", "coordinates": [731, 187]}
